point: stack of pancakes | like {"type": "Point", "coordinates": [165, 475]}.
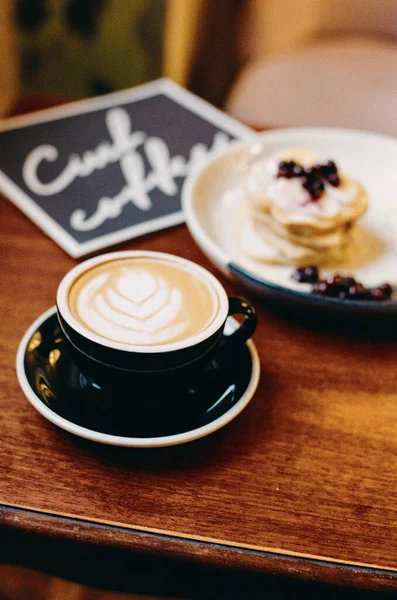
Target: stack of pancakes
{"type": "Point", "coordinates": [286, 225]}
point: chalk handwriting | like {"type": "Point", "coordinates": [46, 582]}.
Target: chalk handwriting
{"type": "Point", "coordinates": [129, 149]}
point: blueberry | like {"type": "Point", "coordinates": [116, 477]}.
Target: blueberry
{"type": "Point", "coordinates": [320, 288]}
{"type": "Point", "coordinates": [286, 169]}
{"type": "Point", "coordinates": [306, 274]}
{"type": "Point", "coordinates": [386, 287]}
{"type": "Point", "coordinates": [289, 169]}
{"type": "Point", "coordinates": [381, 293]}
{"type": "Point", "coordinates": [329, 167]}
{"type": "Point", "coordinates": [333, 179]}
{"type": "Point", "coordinates": [377, 294]}
{"type": "Point", "coordinates": [334, 280]}
{"type": "Point", "coordinates": [329, 172]}
{"type": "Point", "coordinates": [349, 281]}
{"type": "Point", "coordinates": [297, 170]}
{"type": "Point", "coordinates": [357, 291]}
{"type": "Point", "coordinates": [311, 173]}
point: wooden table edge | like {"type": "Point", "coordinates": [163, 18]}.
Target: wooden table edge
{"type": "Point", "coordinates": [207, 553]}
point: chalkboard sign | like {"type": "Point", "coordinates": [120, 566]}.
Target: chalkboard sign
{"type": "Point", "coordinates": [101, 171]}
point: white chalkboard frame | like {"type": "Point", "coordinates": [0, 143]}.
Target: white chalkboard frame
{"type": "Point", "coordinates": [53, 229]}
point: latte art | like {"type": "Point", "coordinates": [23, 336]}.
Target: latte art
{"type": "Point", "coordinates": [142, 302]}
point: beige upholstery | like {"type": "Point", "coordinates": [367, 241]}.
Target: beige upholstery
{"type": "Point", "coordinates": [343, 83]}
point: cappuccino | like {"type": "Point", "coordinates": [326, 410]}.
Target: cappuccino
{"type": "Point", "coordinates": [143, 301]}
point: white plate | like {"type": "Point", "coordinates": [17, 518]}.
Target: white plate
{"type": "Point", "coordinates": [134, 442]}
{"type": "Point", "coordinates": [213, 206]}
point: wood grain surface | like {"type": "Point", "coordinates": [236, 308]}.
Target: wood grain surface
{"type": "Point", "coordinates": [308, 470]}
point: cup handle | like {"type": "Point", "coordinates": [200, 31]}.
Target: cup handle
{"type": "Point", "coordinates": [240, 306]}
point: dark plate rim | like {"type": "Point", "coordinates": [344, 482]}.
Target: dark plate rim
{"type": "Point", "coordinates": [384, 307]}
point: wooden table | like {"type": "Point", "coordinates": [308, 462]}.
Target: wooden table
{"type": "Point", "coordinates": [302, 484]}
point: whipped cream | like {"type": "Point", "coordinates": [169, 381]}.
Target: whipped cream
{"type": "Point", "coordinates": [264, 187]}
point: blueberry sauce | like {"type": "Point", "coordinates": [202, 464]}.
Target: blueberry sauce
{"type": "Point", "coordinates": [338, 286]}
{"type": "Point", "coordinates": [312, 178]}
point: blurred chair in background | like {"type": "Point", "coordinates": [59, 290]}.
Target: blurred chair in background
{"type": "Point", "coordinates": [318, 63]}
{"type": "Point", "coordinates": [81, 48]}
{"type": "Point", "coordinates": [301, 62]}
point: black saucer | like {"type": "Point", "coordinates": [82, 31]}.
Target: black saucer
{"type": "Point", "coordinates": [51, 380]}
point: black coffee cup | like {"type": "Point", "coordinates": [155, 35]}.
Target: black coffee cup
{"type": "Point", "coordinates": [113, 363]}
